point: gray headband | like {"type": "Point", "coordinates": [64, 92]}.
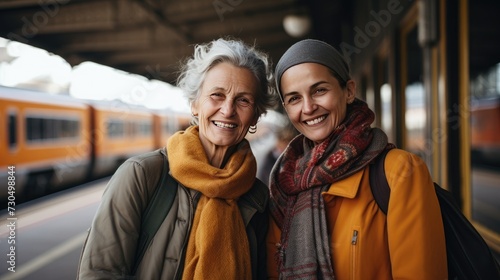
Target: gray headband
{"type": "Point", "coordinates": [310, 50]}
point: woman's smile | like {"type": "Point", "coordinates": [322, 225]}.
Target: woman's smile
{"type": "Point", "coordinates": [224, 125]}
{"type": "Point", "coordinates": [316, 120]}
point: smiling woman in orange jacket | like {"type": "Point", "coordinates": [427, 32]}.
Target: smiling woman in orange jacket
{"type": "Point", "coordinates": [326, 223]}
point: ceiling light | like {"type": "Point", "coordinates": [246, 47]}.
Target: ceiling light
{"type": "Point", "coordinates": [297, 25]}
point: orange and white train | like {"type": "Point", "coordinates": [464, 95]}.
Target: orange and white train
{"type": "Point", "coordinates": [52, 142]}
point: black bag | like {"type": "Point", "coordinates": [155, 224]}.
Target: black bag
{"type": "Point", "coordinates": [469, 257]}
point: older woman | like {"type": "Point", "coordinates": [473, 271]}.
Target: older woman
{"type": "Point", "coordinates": [217, 224]}
{"type": "Point", "coordinates": [326, 223]}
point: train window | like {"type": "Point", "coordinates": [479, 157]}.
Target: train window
{"type": "Point", "coordinates": [132, 129]}
{"type": "Point", "coordinates": [44, 129]}
{"type": "Point", "coordinates": [69, 129]}
{"type": "Point", "coordinates": [484, 76]}
{"type": "Point", "coordinates": [33, 129]}
{"type": "Point", "coordinates": [145, 128]}
{"type": "Point", "coordinates": [115, 128]}
{"type": "Point", "coordinates": [12, 131]}
{"type": "Point", "coordinates": [118, 128]}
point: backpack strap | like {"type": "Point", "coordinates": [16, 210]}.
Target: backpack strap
{"type": "Point", "coordinates": [378, 182]}
{"type": "Point", "coordinates": [157, 210]}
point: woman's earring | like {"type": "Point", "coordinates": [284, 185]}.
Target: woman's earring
{"type": "Point", "coordinates": [252, 129]}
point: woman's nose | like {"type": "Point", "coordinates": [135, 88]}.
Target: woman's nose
{"type": "Point", "coordinates": [308, 106]}
{"type": "Point", "coordinates": [227, 107]}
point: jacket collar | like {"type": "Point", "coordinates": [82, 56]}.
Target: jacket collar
{"type": "Point", "coordinates": [257, 197]}
{"type": "Point", "coordinates": [347, 187]}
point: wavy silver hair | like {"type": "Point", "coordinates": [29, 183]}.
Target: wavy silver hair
{"type": "Point", "coordinates": [237, 53]}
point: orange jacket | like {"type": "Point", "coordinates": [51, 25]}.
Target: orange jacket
{"type": "Point", "coordinates": [408, 243]}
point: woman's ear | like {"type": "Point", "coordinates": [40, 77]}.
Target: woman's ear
{"type": "Point", "coordinates": [255, 120]}
{"type": "Point", "coordinates": [351, 91]}
{"type": "Point", "coordinates": [194, 111]}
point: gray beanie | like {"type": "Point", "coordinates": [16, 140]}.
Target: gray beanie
{"type": "Point", "coordinates": [310, 50]}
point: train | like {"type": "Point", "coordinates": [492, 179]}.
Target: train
{"type": "Point", "coordinates": [49, 143]}
{"type": "Point", "coordinates": [485, 135]}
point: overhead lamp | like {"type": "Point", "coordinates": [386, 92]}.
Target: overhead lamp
{"type": "Point", "coordinates": [297, 25]}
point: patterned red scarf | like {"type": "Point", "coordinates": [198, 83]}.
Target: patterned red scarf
{"type": "Point", "coordinates": [302, 172]}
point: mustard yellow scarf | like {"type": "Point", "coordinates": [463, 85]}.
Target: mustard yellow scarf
{"type": "Point", "coordinates": [218, 246]}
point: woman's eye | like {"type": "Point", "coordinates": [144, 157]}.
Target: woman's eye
{"type": "Point", "coordinates": [216, 95]}
{"type": "Point", "coordinates": [292, 99]}
{"type": "Point", "coordinates": [320, 90]}
{"type": "Point", "coordinates": [244, 101]}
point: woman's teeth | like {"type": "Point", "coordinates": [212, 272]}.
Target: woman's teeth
{"type": "Point", "coordinates": [315, 121]}
{"type": "Point", "coordinates": [224, 125]}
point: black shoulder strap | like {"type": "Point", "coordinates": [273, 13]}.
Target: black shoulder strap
{"type": "Point", "coordinates": [378, 182]}
{"type": "Point", "coordinates": [157, 210]}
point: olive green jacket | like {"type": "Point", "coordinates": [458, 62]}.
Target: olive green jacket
{"type": "Point", "coordinates": [110, 248]}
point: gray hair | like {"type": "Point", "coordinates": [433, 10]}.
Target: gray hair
{"type": "Point", "coordinates": [237, 53]}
